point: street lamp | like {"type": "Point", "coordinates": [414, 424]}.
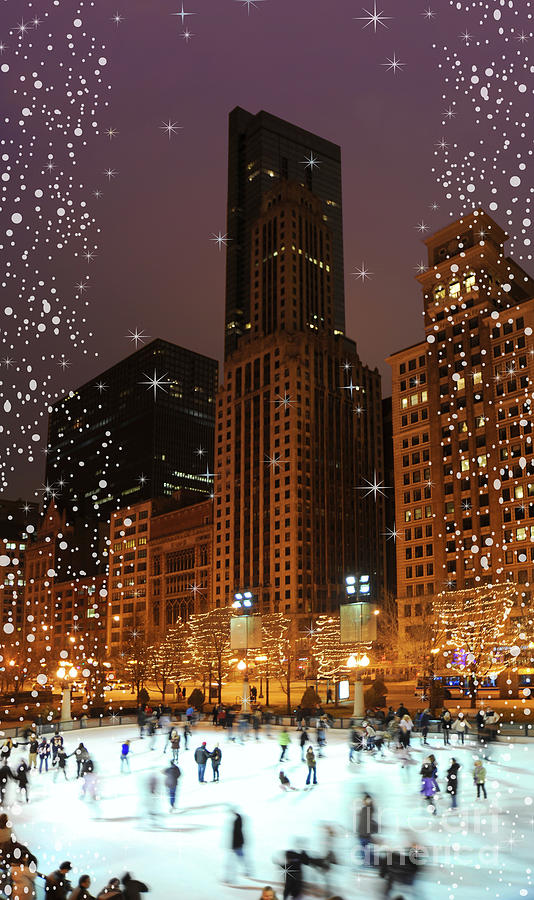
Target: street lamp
{"type": "Point", "coordinates": [357, 664]}
{"type": "Point", "coordinates": [64, 674]}
{"type": "Point", "coordinates": [264, 659]}
{"type": "Point", "coordinates": [242, 603]}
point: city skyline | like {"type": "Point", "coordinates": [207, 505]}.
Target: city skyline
{"type": "Point", "coordinates": [157, 195]}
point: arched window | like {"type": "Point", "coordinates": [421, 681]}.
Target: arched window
{"type": "Point", "coordinates": [470, 282]}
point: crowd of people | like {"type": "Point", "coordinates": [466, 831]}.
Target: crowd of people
{"type": "Point", "coordinates": [392, 730]}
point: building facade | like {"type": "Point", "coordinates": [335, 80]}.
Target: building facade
{"type": "Point", "coordinates": [16, 516]}
{"type": "Point", "coordinates": [462, 424]}
{"type": "Point", "coordinates": [160, 567]}
{"type": "Point", "coordinates": [62, 613]}
{"type": "Point", "coordinates": [263, 149]}
{"type": "Point", "coordinates": [299, 428]}
{"type": "Point", "coordinates": [141, 429]}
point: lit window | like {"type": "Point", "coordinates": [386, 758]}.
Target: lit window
{"type": "Point", "coordinates": [424, 396]}
{"type": "Point", "coordinates": [518, 492]}
{"type": "Point", "coordinates": [414, 399]}
{"type": "Point", "coordinates": [439, 292]}
{"type": "Point", "coordinates": [404, 403]}
{"type": "Point", "coordinates": [460, 384]}
{"type": "Point", "coordinates": [482, 460]}
{"type": "Point", "coordinates": [521, 534]}
{"type": "Point", "coordinates": [407, 515]}
{"type": "Point", "coordinates": [477, 377]}
{"type": "Point", "coordinates": [454, 289]}
{"type": "Point", "coordinates": [464, 465]}
{"type": "Point", "coordinates": [480, 422]}
{"type": "Point", "coordinates": [471, 282]}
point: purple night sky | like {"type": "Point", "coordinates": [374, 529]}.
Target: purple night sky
{"type": "Point", "coordinates": [307, 61]}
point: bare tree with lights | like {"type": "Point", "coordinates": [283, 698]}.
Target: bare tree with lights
{"type": "Point", "coordinates": [167, 657]}
{"type": "Point", "coordinates": [209, 645]}
{"type": "Point", "coordinates": [472, 631]}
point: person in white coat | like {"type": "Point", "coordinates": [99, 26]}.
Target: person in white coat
{"type": "Point", "coordinates": [461, 726]}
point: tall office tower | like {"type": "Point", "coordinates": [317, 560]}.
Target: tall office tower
{"type": "Point", "coordinates": [299, 426]}
{"type": "Point", "coordinates": [462, 423]}
{"type": "Point", "coordinates": [142, 429]}
{"type": "Point", "coordinates": [263, 149]}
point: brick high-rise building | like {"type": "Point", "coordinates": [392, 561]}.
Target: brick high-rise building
{"type": "Point", "coordinates": [298, 428]}
{"type": "Point", "coordinates": [462, 424]}
{"type": "Point", "coordinates": [160, 567]}
{"type": "Point", "coordinates": [261, 150]}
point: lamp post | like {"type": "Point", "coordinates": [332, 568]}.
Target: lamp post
{"type": "Point", "coordinates": [242, 604]}
{"type": "Point", "coordinates": [64, 674]}
{"type": "Point", "coordinates": [357, 664]}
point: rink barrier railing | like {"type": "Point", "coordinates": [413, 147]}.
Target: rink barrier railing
{"type": "Point", "coordinates": [508, 729]}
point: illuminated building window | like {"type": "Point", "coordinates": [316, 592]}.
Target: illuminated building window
{"type": "Point", "coordinates": [521, 534]}
{"type": "Point", "coordinates": [470, 282]}
{"type": "Point", "coordinates": [477, 377]}
{"type": "Point", "coordinates": [464, 465]}
{"type": "Point", "coordinates": [454, 289]}
{"type": "Point", "coordinates": [439, 292]}
{"type": "Point", "coordinates": [414, 399]}
{"type": "Point", "coordinates": [460, 384]}
{"type": "Point", "coordinates": [404, 403]}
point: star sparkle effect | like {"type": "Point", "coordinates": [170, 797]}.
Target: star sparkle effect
{"type": "Point", "coordinates": [283, 401]}
{"type": "Point", "coordinates": [156, 382]}
{"type": "Point", "coordinates": [182, 14]}
{"type": "Point", "coordinates": [373, 488]}
{"type": "Point", "coordinates": [249, 4]}
{"type": "Point", "coordinates": [137, 337]}
{"type": "Point", "coordinates": [311, 162]}
{"type": "Point", "coordinates": [222, 240]}
{"type": "Point", "coordinates": [394, 64]}
{"type": "Point", "coordinates": [374, 18]}
{"type": "Point", "coordinates": [170, 128]}
{"type": "Point", "coordinates": [361, 273]}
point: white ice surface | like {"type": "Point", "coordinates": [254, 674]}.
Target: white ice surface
{"type": "Point", "coordinates": [483, 850]}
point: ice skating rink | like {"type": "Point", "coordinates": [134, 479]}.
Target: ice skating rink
{"type": "Point", "coordinates": [482, 850]}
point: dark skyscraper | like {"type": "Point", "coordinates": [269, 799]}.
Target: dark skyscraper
{"type": "Point", "coordinates": [262, 150]}
{"type": "Point", "coordinates": [142, 429]}
{"type": "Point", "coordinates": [299, 454]}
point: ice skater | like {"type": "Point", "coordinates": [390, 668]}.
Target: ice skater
{"type": "Point", "coordinates": [125, 757]}
{"type": "Point", "coordinates": [202, 755]}
{"type": "Point", "coordinates": [367, 828]}
{"type": "Point", "coordinates": [44, 754]}
{"type": "Point", "coordinates": [461, 726]}
{"type": "Point", "coordinates": [312, 765]}
{"type": "Point", "coordinates": [172, 774]}
{"type": "Point", "coordinates": [57, 745]}
{"type": "Point", "coordinates": [216, 758]}
{"type": "Point", "coordinates": [284, 740]}
{"type": "Point", "coordinates": [33, 747]}
{"type": "Point", "coordinates": [6, 775]}
{"type": "Point", "coordinates": [81, 755]}
{"type": "Point", "coordinates": [479, 778]}
{"type": "Point", "coordinates": [285, 783]}
{"type": "Point", "coordinates": [452, 782]}
{"type": "Point", "coordinates": [304, 739]}
{"type": "Point", "coordinates": [61, 764]}
{"type": "Point", "coordinates": [21, 776]}
{"type": "Point", "coordinates": [237, 848]}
